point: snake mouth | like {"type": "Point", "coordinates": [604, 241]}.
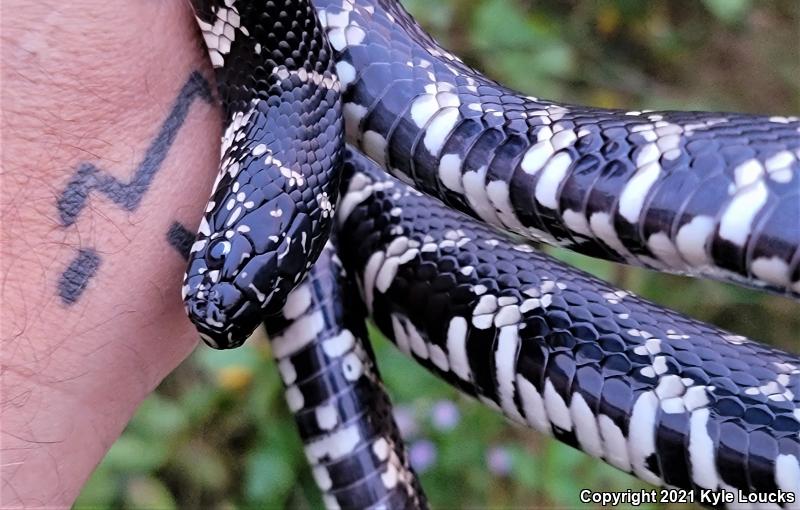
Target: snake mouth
{"type": "Point", "coordinates": [222, 315]}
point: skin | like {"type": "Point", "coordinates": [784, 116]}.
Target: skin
{"type": "Point", "coordinates": [81, 348]}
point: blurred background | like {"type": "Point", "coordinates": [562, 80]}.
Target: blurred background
{"type": "Point", "coordinates": [217, 433]}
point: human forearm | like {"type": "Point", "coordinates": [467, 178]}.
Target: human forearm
{"type": "Point", "coordinates": [109, 139]}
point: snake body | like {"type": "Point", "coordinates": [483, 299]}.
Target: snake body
{"type": "Point", "coordinates": [712, 194]}
{"type": "Point", "coordinates": [669, 399]}
{"type": "Point", "coordinates": [672, 400]}
{"type": "Point", "coordinates": [342, 411]}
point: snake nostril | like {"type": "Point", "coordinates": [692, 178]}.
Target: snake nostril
{"type": "Point", "coordinates": [198, 311]}
{"type": "Point", "coordinates": [217, 314]}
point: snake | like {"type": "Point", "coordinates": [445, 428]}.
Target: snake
{"type": "Point", "coordinates": [345, 116]}
{"type": "Point", "coordinates": [332, 385]}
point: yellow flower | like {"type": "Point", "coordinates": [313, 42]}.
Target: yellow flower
{"type": "Point", "coordinates": [234, 378]}
{"type": "Point", "coordinates": [608, 19]}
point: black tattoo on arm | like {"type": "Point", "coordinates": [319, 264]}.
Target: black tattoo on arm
{"type": "Point", "coordinates": [76, 277]}
{"type": "Point", "coordinates": [127, 195]}
{"type": "Point", "coordinates": [180, 238]}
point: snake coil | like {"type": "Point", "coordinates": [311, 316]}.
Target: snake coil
{"type": "Point", "coordinates": [667, 398]}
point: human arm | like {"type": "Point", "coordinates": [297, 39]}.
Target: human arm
{"type": "Point", "coordinates": [110, 140]}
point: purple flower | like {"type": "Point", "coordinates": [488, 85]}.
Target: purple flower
{"type": "Point", "coordinates": [499, 460]}
{"type": "Point", "coordinates": [422, 455]}
{"type": "Point", "coordinates": [406, 420]}
{"type": "Point", "coordinates": [445, 415]}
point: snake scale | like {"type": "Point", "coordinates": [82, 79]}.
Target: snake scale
{"type": "Point", "coordinates": [438, 253]}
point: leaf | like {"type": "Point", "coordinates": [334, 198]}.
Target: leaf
{"type": "Point", "coordinates": [136, 455]}
{"type": "Point", "coordinates": [268, 478]}
{"type": "Point", "coordinates": [729, 11]}
{"type": "Point", "coordinates": [526, 51]}
{"type": "Point", "coordinates": [159, 416]}
{"type": "Point", "coordinates": [148, 493]}
{"type": "Point", "coordinates": [204, 465]}
{"type": "Point", "coordinates": [562, 464]}
{"type": "Point", "coordinates": [526, 469]}
{"type": "Point", "coordinates": [283, 439]}
{"type": "Point", "coordinates": [199, 402]}
{"type": "Point", "coordinates": [100, 491]}
{"type": "Point", "coordinates": [436, 16]}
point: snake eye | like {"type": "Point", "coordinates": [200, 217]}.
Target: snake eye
{"type": "Point", "coordinates": [217, 251]}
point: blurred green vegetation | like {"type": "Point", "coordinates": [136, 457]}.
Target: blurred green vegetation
{"type": "Point", "coordinates": [216, 434]}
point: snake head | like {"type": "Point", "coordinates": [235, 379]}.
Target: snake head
{"type": "Point", "coordinates": [254, 244]}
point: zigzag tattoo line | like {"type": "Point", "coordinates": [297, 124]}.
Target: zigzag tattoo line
{"type": "Point", "coordinates": [128, 195]}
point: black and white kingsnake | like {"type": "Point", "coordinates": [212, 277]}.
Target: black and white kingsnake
{"type": "Point", "coordinates": [667, 398]}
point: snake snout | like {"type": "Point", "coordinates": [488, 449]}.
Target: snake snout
{"type": "Point", "coordinates": [222, 315]}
